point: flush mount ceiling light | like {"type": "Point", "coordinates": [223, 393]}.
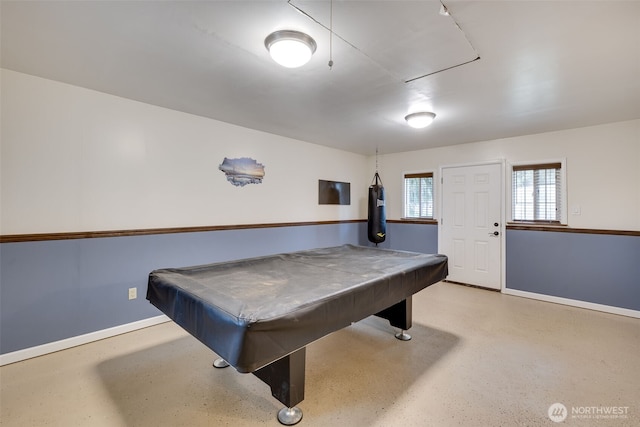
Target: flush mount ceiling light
{"type": "Point", "coordinates": [420, 120]}
{"type": "Point", "coordinates": [290, 48]}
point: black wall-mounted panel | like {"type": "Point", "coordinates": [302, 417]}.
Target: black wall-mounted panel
{"type": "Point", "coordinates": [334, 193]}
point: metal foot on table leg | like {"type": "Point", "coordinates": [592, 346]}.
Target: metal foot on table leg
{"type": "Point", "coordinates": [290, 416]}
{"type": "Point", "coordinates": [403, 336]}
{"type": "Point", "coordinates": [220, 363]}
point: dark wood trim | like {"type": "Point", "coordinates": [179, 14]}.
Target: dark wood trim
{"type": "Point", "coordinates": [412, 221]}
{"type": "Point", "coordinates": [13, 238]}
{"type": "Point", "coordinates": [555, 165]}
{"type": "Point", "coordinates": [565, 229]}
{"type": "Point", "coordinates": [537, 223]}
{"type": "Point", "coordinates": [419, 175]}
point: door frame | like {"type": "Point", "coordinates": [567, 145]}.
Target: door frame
{"type": "Point", "coordinates": [503, 225]}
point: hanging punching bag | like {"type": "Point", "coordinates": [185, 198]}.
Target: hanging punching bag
{"type": "Point", "coordinates": [377, 224]}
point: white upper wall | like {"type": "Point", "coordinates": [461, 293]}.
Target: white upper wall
{"type": "Point", "coordinates": [602, 162]}
{"type": "Point", "coordinates": [74, 159]}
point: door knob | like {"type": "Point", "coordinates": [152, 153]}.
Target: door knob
{"type": "Point", "coordinates": [495, 233]}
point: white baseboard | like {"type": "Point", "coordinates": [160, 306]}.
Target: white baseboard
{"type": "Point", "coordinates": [574, 303]}
{"type": "Point", "coordinates": [52, 347]}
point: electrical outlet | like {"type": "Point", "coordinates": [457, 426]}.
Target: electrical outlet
{"type": "Point", "coordinates": [133, 293]}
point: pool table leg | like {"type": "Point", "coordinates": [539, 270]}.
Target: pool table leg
{"type": "Point", "coordinates": [399, 316]}
{"type": "Point", "coordinates": [286, 378]}
{"type": "Point", "coordinates": [220, 363]}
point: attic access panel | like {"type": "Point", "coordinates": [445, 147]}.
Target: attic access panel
{"type": "Point", "coordinates": [408, 39]}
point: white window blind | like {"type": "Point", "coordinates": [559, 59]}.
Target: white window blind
{"type": "Point", "coordinates": [537, 192]}
{"type": "Point", "coordinates": [418, 195]}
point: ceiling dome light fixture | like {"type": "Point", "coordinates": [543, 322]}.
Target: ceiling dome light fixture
{"type": "Point", "coordinates": [420, 120]}
{"type": "Point", "coordinates": [290, 48]}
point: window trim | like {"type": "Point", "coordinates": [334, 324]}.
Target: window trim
{"type": "Point", "coordinates": [540, 164]}
{"type": "Point", "coordinates": [421, 174]}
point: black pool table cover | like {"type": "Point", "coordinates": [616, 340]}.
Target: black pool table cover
{"type": "Point", "coordinates": [252, 312]}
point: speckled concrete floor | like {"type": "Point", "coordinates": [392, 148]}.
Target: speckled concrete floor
{"type": "Point", "coordinates": [477, 358]}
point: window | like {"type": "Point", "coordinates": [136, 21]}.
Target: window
{"type": "Point", "coordinates": [536, 193]}
{"type": "Point", "coordinates": [418, 195]}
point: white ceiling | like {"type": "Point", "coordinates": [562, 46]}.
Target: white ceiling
{"type": "Point", "coordinates": [492, 69]}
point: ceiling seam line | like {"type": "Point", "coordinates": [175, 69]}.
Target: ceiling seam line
{"type": "Point", "coordinates": [461, 30]}
{"type": "Point", "coordinates": [398, 78]}
{"type": "Point", "coordinates": [453, 66]}
{"type": "Point", "coordinates": [444, 69]}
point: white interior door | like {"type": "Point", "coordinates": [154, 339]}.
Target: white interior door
{"type": "Point", "coordinates": [470, 227]}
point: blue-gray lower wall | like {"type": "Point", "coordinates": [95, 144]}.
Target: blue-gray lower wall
{"type": "Point", "coordinates": [410, 237]}
{"type": "Point", "coordinates": [596, 268]}
{"type": "Point", "coordinates": [52, 290]}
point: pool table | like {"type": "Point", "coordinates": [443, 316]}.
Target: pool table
{"type": "Point", "coordinates": [258, 314]}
